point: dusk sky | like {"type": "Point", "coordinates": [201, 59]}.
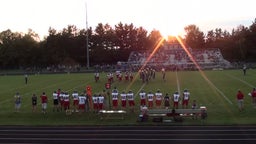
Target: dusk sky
{"type": "Point", "coordinates": [168, 16]}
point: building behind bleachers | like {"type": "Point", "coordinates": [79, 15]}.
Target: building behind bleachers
{"type": "Point", "coordinates": [172, 56]}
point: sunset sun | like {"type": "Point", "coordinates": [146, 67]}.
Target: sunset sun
{"type": "Point", "coordinates": [171, 30]}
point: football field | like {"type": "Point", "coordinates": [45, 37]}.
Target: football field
{"type": "Point", "coordinates": [214, 89]}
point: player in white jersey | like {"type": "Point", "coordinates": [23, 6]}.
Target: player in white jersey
{"type": "Point", "coordinates": [142, 98]}
{"type": "Point", "coordinates": [185, 99]}
{"type": "Point", "coordinates": [97, 76]}
{"type": "Point", "coordinates": [55, 101]}
{"type": "Point", "coordinates": [123, 99]}
{"type": "Point", "coordinates": [75, 100]}
{"type": "Point", "coordinates": [95, 100]}
{"type": "Point", "coordinates": [114, 95]}
{"type": "Point", "coordinates": [81, 103]}
{"type": "Point", "coordinates": [159, 98]}
{"type": "Point", "coordinates": [66, 101]}
{"type": "Point", "coordinates": [150, 97]}
{"type": "Point", "coordinates": [101, 102]}
{"type": "Point", "coordinates": [120, 77]}
{"type": "Point", "coordinates": [130, 98]}
{"type": "Point", "coordinates": [176, 99]}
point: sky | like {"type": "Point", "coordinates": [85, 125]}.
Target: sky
{"type": "Point", "coordinates": [168, 16]}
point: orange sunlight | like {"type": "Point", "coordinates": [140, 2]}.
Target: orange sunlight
{"type": "Point", "coordinates": [215, 89]}
{"type": "Point", "coordinates": [171, 31]}
{"type": "Point", "coordinates": [157, 46]}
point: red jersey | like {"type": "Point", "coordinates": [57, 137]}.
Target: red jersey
{"type": "Point", "coordinates": [43, 98]}
{"type": "Point", "coordinates": [253, 93]}
{"type": "Point", "coordinates": [58, 92]}
{"type": "Point", "coordinates": [240, 95]}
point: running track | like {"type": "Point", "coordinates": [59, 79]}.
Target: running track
{"type": "Point", "coordinates": [129, 134]}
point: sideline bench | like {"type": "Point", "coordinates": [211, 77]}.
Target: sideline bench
{"type": "Point", "coordinates": [177, 113]}
{"type": "Point", "coordinates": [112, 114]}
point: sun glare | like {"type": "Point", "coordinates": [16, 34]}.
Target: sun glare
{"type": "Point", "coordinates": [169, 34]}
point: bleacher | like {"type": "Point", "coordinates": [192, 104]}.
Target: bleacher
{"type": "Point", "coordinates": [175, 56]}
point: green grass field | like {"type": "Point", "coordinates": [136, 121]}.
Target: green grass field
{"type": "Point", "coordinates": [214, 89]}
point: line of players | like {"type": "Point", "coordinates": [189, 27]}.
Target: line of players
{"type": "Point", "coordinates": [81, 102]}
{"type": "Point", "coordinates": [150, 99]}
{"type": "Point", "coordinates": [61, 100]}
{"type": "Point", "coordinates": [128, 76]}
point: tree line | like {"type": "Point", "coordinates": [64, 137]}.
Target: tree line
{"type": "Point", "coordinates": [107, 44]}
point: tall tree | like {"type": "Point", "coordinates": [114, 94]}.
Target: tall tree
{"type": "Point", "coordinates": [17, 50]}
{"type": "Point", "coordinates": [154, 37]}
{"type": "Point", "coordinates": [194, 37]}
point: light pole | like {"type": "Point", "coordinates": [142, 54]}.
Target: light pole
{"type": "Point", "coordinates": [87, 48]}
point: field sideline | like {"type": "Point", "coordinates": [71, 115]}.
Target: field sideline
{"type": "Point", "coordinates": [214, 89]}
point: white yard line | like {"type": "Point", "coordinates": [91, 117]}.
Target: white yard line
{"type": "Point", "coordinates": [178, 82]}
{"type": "Point", "coordinates": [142, 86]}
{"type": "Point", "coordinates": [229, 101]}
{"type": "Point", "coordinates": [218, 90]}
{"type": "Point", "coordinates": [241, 81]}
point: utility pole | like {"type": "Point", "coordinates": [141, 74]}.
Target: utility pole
{"type": "Point", "coordinates": [87, 41]}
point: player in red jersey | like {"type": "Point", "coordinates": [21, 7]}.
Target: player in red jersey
{"type": "Point", "coordinates": [58, 92]}
{"type": "Point", "coordinates": [44, 100]}
{"type": "Point", "coordinates": [61, 98]}
{"type": "Point", "coordinates": [240, 100]}
{"type": "Point", "coordinates": [253, 95]}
